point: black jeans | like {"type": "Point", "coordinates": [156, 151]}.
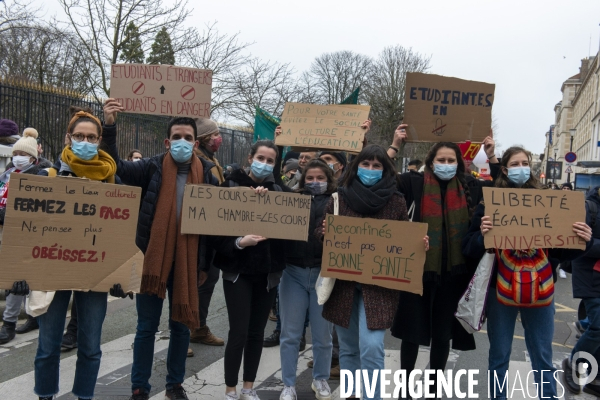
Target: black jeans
{"type": "Point", "coordinates": [205, 293]}
{"type": "Point", "coordinates": [248, 305]}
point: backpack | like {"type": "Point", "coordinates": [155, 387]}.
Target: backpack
{"type": "Point", "coordinates": [593, 211]}
{"type": "Point", "coordinates": [524, 278]}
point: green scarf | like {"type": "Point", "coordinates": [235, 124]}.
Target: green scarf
{"type": "Point", "coordinates": [454, 214]}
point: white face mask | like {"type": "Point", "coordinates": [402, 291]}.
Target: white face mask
{"type": "Point", "coordinates": [21, 162]}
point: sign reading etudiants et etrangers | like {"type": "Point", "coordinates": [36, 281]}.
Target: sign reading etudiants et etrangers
{"type": "Point", "coordinates": [533, 219]}
{"type": "Point", "coordinates": [65, 233]}
{"type": "Point", "coordinates": [332, 127]}
{"type": "Point", "coordinates": [239, 211]}
{"type": "Point", "coordinates": [162, 89]}
{"type": "Point", "coordinates": [378, 252]}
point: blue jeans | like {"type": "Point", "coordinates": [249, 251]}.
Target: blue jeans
{"type": "Point", "coordinates": [539, 330]}
{"type": "Point", "coordinates": [361, 347]}
{"type": "Point", "coordinates": [278, 323]}
{"type": "Point", "coordinates": [149, 309]}
{"type": "Point", "coordinates": [297, 295]}
{"type": "Point", "coordinates": [590, 339]}
{"type": "Point", "coordinates": [92, 310]}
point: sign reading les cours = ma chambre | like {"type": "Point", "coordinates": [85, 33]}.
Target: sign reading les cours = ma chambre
{"type": "Point", "coordinates": [162, 89]}
{"type": "Point", "coordinates": [332, 127]}
{"type": "Point", "coordinates": [439, 108]}
{"type": "Point", "coordinates": [533, 219]}
{"type": "Point", "coordinates": [68, 233]}
{"type": "Point", "coordinates": [378, 252]}
{"type": "Point", "coordinates": [211, 210]}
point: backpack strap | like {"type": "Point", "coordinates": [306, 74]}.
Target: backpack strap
{"type": "Point", "coordinates": [336, 203]}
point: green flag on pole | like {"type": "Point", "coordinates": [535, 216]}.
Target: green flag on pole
{"type": "Point", "coordinates": [353, 98]}
{"type": "Point", "coordinates": [264, 125]}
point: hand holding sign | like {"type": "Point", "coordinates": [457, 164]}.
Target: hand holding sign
{"type": "Point", "coordinates": [399, 135]}
{"type": "Point", "coordinates": [489, 145]}
{"type": "Point", "coordinates": [111, 108]}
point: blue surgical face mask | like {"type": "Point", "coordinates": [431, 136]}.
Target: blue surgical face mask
{"type": "Point", "coordinates": [261, 170]}
{"type": "Point", "coordinates": [181, 150]}
{"type": "Point", "coordinates": [316, 187]}
{"type": "Point", "coordinates": [519, 175]}
{"type": "Point", "coordinates": [445, 171]}
{"type": "Point", "coordinates": [369, 177]}
{"type": "Point", "coordinates": [84, 150]}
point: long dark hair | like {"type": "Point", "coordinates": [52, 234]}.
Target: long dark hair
{"type": "Point", "coordinates": [460, 169]}
{"type": "Point", "coordinates": [371, 152]}
{"type": "Point", "coordinates": [502, 180]}
{"type": "Point", "coordinates": [318, 164]}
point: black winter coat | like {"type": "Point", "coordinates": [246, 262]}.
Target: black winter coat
{"type": "Point", "coordinates": [308, 254]}
{"type": "Point", "coordinates": [266, 257]}
{"type": "Point", "coordinates": [586, 280]}
{"type": "Point", "coordinates": [146, 174]}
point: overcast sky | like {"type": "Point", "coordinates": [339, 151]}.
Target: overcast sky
{"type": "Point", "coordinates": [526, 47]}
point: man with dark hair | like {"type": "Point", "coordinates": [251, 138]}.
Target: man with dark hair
{"type": "Point", "coordinates": [337, 162]}
{"type": "Point", "coordinates": [414, 165]}
{"type": "Point", "coordinates": [172, 260]}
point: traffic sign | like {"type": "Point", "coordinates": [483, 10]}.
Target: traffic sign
{"type": "Point", "coordinates": [569, 170]}
{"type": "Point", "coordinates": [570, 157]}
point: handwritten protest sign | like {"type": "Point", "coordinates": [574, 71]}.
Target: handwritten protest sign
{"type": "Point", "coordinates": [532, 219]}
{"type": "Point", "coordinates": [162, 89]}
{"type": "Point", "coordinates": [375, 251]}
{"type": "Point", "coordinates": [67, 233]}
{"type": "Point", "coordinates": [332, 127]}
{"type": "Point", "coordinates": [439, 108]}
{"type": "Point", "coordinates": [210, 210]}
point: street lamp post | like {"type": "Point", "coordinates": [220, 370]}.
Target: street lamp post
{"type": "Point", "coordinates": [572, 132]}
{"type": "Point", "coordinates": [554, 168]}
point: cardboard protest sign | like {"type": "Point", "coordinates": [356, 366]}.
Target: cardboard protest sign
{"type": "Point", "coordinates": [531, 219]}
{"type": "Point", "coordinates": [375, 251]}
{"type": "Point", "coordinates": [439, 108]}
{"type": "Point", "coordinates": [210, 210]}
{"type": "Point", "coordinates": [67, 233]}
{"type": "Point", "coordinates": [162, 89]}
{"type": "Point", "coordinates": [331, 127]}
{"type": "Point", "coordinates": [129, 275]}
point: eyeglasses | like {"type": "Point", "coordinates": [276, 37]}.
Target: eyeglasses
{"type": "Point", "coordinates": [80, 137]}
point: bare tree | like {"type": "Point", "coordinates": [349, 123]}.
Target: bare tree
{"type": "Point", "coordinates": [100, 26]}
{"type": "Point", "coordinates": [262, 84]}
{"type": "Point", "coordinates": [16, 14]}
{"type": "Point", "coordinates": [45, 55]}
{"type": "Point", "coordinates": [224, 55]}
{"type": "Point", "coordinates": [384, 90]}
{"type": "Point", "coordinates": [334, 76]}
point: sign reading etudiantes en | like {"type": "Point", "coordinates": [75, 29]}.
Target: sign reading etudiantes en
{"type": "Point", "coordinates": [68, 233]}
{"type": "Point", "coordinates": [439, 108]}
{"type": "Point", "coordinates": [533, 219]}
{"type": "Point", "coordinates": [331, 127]}
{"type": "Point", "coordinates": [378, 252]}
{"type": "Point", "coordinates": [210, 210]}
{"type": "Point", "coordinates": [162, 89]}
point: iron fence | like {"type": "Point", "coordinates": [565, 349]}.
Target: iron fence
{"type": "Point", "coordinates": [48, 112]}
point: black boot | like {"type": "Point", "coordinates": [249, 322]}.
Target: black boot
{"type": "Point", "coordinates": [272, 341]}
{"type": "Point", "coordinates": [567, 376]}
{"type": "Point", "coordinates": [30, 325]}
{"type": "Point", "coordinates": [7, 332]}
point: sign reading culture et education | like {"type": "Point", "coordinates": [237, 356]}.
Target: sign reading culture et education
{"type": "Point", "coordinates": [162, 89]}
{"type": "Point", "coordinates": [532, 219]}
{"type": "Point", "coordinates": [439, 108]}
{"type": "Point", "coordinates": [331, 127]}
{"type": "Point", "coordinates": [378, 252]}
{"type": "Point", "coordinates": [69, 233]}
{"type": "Point", "coordinates": [211, 210]}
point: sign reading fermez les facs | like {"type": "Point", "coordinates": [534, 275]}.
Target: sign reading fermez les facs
{"type": "Point", "coordinates": [67, 233]}
{"type": "Point", "coordinates": [162, 89]}
{"type": "Point", "coordinates": [378, 252]}
{"type": "Point", "coordinates": [239, 211]}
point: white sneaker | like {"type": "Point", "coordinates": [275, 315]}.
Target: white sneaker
{"type": "Point", "coordinates": [249, 396]}
{"type": "Point", "coordinates": [562, 274]}
{"type": "Point", "coordinates": [321, 389]}
{"type": "Point", "coordinates": [288, 393]}
{"type": "Point", "coordinates": [231, 396]}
